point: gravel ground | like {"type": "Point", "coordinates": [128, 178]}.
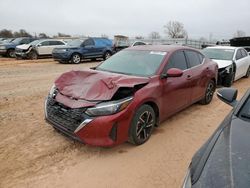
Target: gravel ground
{"type": "Point", "coordinates": [32, 154]}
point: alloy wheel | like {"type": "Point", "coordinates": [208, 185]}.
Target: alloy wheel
{"type": "Point", "coordinates": [107, 55]}
{"type": "Point", "coordinates": [76, 59]}
{"type": "Point", "coordinates": [210, 91]}
{"type": "Point", "coordinates": [145, 125]}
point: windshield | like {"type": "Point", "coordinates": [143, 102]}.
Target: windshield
{"type": "Point", "coordinates": [7, 40]}
{"type": "Point", "coordinates": [220, 54]}
{"type": "Point", "coordinates": [76, 42]}
{"type": "Point", "coordinates": [17, 40]}
{"type": "Point", "coordinates": [138, 63]}
{"type": "Point", "coordinates": [34, 42]}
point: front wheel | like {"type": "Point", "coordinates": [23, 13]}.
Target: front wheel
{"type": "Point", "coordinates": [229, 79]}
{"type": "Point", "coordinates": [76, 58]}
{"type": "Point", "coordinates": [11, 53]}
{"type": "Point", "coordinates": [32, 55]}
{"type": "Point", "coordinates": [107, 55]}
{"type": "Point", "coordinates": [209, 93]}
{"type": "Point", "coordinates": [142, 125]}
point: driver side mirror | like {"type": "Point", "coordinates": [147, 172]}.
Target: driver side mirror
{"type": "Point", "coordinates": [173, 72]}
{"type": "Point", "coordinates": [228, 95]}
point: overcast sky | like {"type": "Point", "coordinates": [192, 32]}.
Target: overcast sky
{"type": "Point", "coordinates": [201, 18]}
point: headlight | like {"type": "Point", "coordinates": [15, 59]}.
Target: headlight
{"type": "Point", "coordinates": [2, 47]}
{"type": "Point", "coordinates": [52, 91]}
{"type": "Point", "coordinates": [187, 181]}
{"type": "Point", "coordinates": [108, 108]}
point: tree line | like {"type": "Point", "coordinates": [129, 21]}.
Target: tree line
{"type": "Point", "coordinates": [5, 33]}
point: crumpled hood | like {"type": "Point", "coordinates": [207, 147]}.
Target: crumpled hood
{"type": "Point", "coordinates": [229, 158]}
{"type": "Point", "coordinates": [223, 63]}
{"type": "Point", "coordinates": [92, 85]}
{"type": "Point", "coordinates": [23, 46]}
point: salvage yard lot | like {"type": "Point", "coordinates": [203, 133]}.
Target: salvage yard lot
{"type": "Point", "coordinates": [32, 154]}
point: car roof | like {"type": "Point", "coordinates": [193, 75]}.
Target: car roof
{"type": "Point", "coordinates": [163, 48]}
{"type": "Point", "coordinates": [223, 47]}
{"type": "Point", "coordinates": [42, 40]}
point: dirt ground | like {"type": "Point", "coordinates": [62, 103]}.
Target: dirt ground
{"type": "Point", "coordinates": [32, 154]}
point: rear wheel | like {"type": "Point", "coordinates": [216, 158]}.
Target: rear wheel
{"type": "Point", "coordinates": [107, 55]}
{"type": "Point", "coordinates": [142, 125]}
{"type": "Point", "coordinates": [11, 53]}
{"type": "Point", "coordinates": [32, 55]}
{"type": "Point", "coordinates": [209, 93]}
{"type": "Point", "coordinates": [76, 58]}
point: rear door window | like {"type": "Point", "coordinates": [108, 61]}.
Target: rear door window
{"type": "Point", "coordinates": [45, 43]}
{"type": "Point", "coordinates": [193, 58]}
{"type": "Point", "coordinates": [56, 43]}
{"type": "Point", "coordinates": [88, 42]}
{"type": "Point", "coordinates": [243, 52]}
{"type": "Point", "coordinates": [177, 60]}
{"type": "Point", "coordinates": [238, 55]}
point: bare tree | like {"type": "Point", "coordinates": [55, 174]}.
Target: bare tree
{"type": "Point", "coordinates": [139, 37]}
{"type": "Point", "coordinates": [6, 33]}
{"type": "Point", "coordinates": [62, 35]}
{"type": "Point", "coordinates": [22, 33]}
{"type": "Point", "coordinates": [175, 29]}
{"type": "Point", "coordinates": [43, 35]}
{"type": "Point", "coordinates": [154, 35]}
{"type": "Point", "coordinates": [239, 33]}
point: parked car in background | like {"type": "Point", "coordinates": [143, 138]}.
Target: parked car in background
{"type": "Point", "coordinates": [7, 40]}
{"type": "Point", "coordinates": [223, 161]}
{"type": "Point", "coordinates": [90, 48]}
{"type": "Point", "coordinates": [8, 49]}
{"type": "Point", "coordinates": [138, 43]}
{"type": "Point", "coordinates": [247, 48]}
{"type": "Point", "coordinates": [126, 96]}
{"type": "Point", "coordinates": [38, 48]}
{"type": "Point", "coordinates": [233, 62]}
{"type": "Point", "coordinates": [120, 42]}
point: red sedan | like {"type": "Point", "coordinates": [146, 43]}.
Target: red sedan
{"type": "Point", "coordinates": [130, 93]}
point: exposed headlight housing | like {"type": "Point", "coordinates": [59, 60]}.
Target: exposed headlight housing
{"type": "Point", "coordinates": [53, 91]}
{"type": "Point", "coordinates": [108, 108]}
{"type": "Point", "coordinates": [187, 181]}
{"type": "Point", "coordinates": [228, 69]}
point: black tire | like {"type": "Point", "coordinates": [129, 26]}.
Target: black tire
{"type": "Point", "coordinates": [107, 55]}
{"type": "Point", "coordinates": [76, 58]}
{"type": "Point", "coordinates": [11, 53]}
{"type": "Point", "coordinates": [229, 79]}
{"type": "Point", "coordinates": [209, 93]}
{"type": "Point", "coordinates": [32, 55]}
{"type": "Point", "coordinates": [247, 73]}
{"type": "Point", "coordinates": [142, 125]}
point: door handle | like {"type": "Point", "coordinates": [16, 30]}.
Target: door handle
{"type": "Point", "coordinates": [189, 77]}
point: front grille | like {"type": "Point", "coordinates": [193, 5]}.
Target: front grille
{"type": "Point", "coordinates": [64, 116]}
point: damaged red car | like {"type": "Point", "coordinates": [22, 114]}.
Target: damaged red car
{"type": "Point", "coordinates": [126, 96]}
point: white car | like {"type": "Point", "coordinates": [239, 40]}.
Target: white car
{"type": "Point", "coordinates": [38, 48]}
{"type": "Point", "coordinates": [138, 43]}
{"type": "Point", "coordinates": [233, 63]}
